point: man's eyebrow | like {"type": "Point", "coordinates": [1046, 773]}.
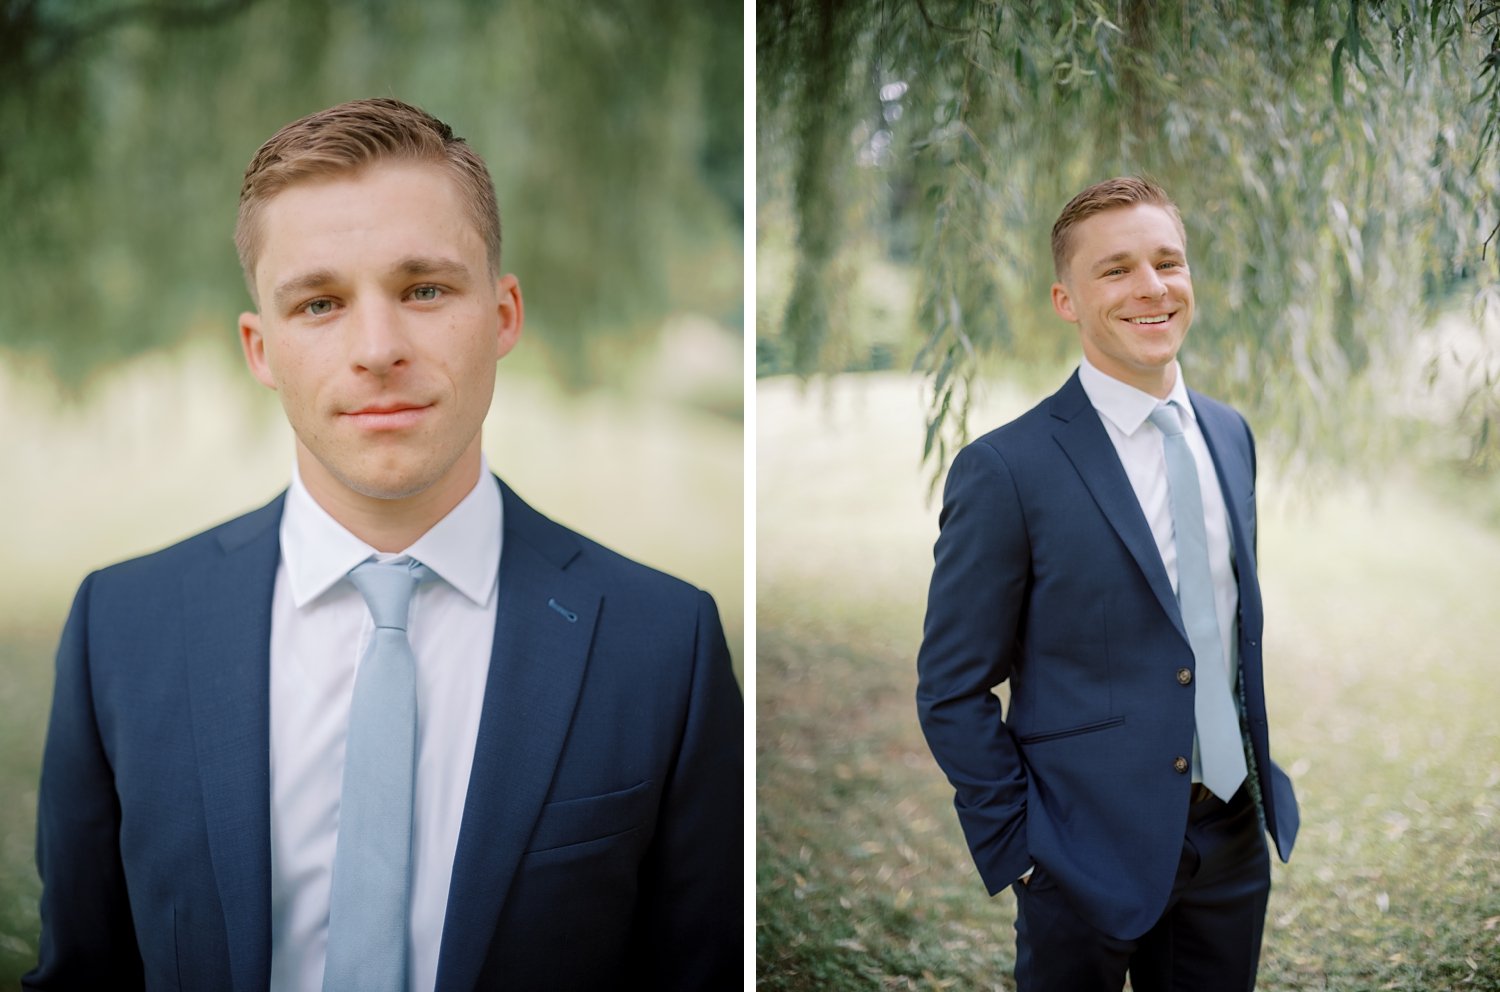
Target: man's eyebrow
{"type": "Point", "coordinates": [1161, 251]}
{"type": "Point", "coordinates": [1118, 256]}
{"type": "Point", "coordinates": [427, 265]}
{"type": "Point", "coordinates": [288, 290]}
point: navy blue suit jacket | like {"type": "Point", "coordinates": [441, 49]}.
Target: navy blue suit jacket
{"type": "Point", "coordinates": [602, 831]}
{"type": "Point", "coordinates": [1046, 574]}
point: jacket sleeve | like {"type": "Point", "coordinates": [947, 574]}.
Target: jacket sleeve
{"type": "Point", "coordinates": [88, 938]}
{"type": "Point", "coordinates": [690, 929]}
{"type": "Point", "coordinates": [980, 579]}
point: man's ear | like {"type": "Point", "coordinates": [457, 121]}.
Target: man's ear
{"type": "Point", "coordinates": [511, 313]}
{"type": "Point", "coordinates": [253, 343]}
{"type": "Point", "coordinates": [1062, 302]}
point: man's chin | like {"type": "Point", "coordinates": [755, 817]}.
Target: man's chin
{"type": "Point", "coordinates": [389, 473]}
{"type": "Point", "coordinates": [389, 486]}
{"type": "Point", "coordinates": [386, 480]}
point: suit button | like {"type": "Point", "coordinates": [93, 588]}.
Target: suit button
{"type": "Point", "coordinates": [1180, 766]}
{"type": "Point", "coordinates": [1184, 676]}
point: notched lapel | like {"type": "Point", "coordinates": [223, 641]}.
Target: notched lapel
{"type": "Point", "coordinates": [227, 640]}
{"type": "Point", "coordinates": [1086, 443]}
{"type": "Point", "coordinates": [543, 631]}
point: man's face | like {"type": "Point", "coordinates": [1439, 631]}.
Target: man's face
{"type": "Point", "coordinates": [380, 324]}
{"type": "Point", "coordinates": [1128, 289]}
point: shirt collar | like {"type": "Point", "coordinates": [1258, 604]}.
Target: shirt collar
{"type": "Point", "coordinates": [1125, 406]}
{"type": "Point", "coordinates": [463, 548]}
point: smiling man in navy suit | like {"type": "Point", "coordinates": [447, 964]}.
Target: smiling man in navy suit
{"type": "Point", "coordinates": [574, 760]}
{"type": "Point", "coordinates": [1099, 554]}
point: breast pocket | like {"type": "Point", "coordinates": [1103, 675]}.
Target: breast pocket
{"type": "Point", "coordinates": [589, 818]}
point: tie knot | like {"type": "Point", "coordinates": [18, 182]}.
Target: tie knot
{"type": "Point", "coordinates": [387, 588]}
{"type": "Point", "coordinates": [1166, 419]}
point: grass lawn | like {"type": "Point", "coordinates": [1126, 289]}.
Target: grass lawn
{"type": "Point", "coordinates": [1381, 679]}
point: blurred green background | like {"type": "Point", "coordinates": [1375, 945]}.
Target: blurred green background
{"type": "Point", "coordinates": [1337, 164]}
{"type": "Point", "coordinates": [615, 137]}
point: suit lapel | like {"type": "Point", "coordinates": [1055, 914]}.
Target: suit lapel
{"type": "Point", "coordinates": [1084, 440]}
{"type": "Point", "coordinates": [543, 628]}
{"type": "Point", "coordinates": [1237, 485]}
{"type": "Point", "coordinates": [227, 634]}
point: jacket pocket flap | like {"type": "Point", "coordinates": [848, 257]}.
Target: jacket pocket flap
{"type": "Point", "coordinates": [574, 821]}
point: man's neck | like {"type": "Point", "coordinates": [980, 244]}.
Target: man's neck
{"type": "Point", "coordinates": [1155, 382]}
{"type": "Point", "coordinates": [389, 525]}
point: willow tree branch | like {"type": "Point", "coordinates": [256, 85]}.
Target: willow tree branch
{"type": "Point", "coordinates": [934, 25]}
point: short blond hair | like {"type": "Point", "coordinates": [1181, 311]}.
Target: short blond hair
{"type": "Point", "coordinates": [1122, 191]}
{"type": "Point", "coordinates": [350, 137]}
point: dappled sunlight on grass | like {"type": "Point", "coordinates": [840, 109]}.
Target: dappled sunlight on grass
{"type": "Point", "coordinates": [1380, 681]}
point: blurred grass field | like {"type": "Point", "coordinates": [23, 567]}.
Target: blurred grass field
{"type": "Point", "coordinates": [1381, 679]}
{"type": "Point", "coordinates": [175, 442]}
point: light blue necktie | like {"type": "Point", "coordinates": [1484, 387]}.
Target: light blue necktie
{"type": "Point", "coordinates": [1221, 751]}
{"type": "Point", "coordinates": [371, 898]}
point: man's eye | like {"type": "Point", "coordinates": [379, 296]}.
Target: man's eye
{"type": "Point", "coordinates": [318, 308]}
{"type": "Point", "coordinates": [425, 294]}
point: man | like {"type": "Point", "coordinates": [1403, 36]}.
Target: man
{"type": "Point", "coordinates": [1105, 566]}
{"type": "Point", "coordinates": [395, 730]}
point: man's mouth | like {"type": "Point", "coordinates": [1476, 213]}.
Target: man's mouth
{"type": "Point", "coordinates": [1160, 318]}
{"type": "Point", "coordinates": [388, 416]}
{"type": "Point", "coordinates": [386, 408]}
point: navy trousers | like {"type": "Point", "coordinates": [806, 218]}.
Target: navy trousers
{"type": "Point", "coordinates": [1207, 940]}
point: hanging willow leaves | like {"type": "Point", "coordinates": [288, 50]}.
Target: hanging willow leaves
{"type": "Point", "coordinates": [1336, 164]}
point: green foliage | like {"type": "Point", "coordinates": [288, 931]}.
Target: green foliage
{"type": "Point", "coordinates": [613, 133]}
{"type": "Point", "coordinates": [1337, 165]}
{"type": "Point", "coordinates": [818, 50]}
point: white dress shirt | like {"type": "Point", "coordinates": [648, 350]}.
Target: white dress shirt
{"type": "Point", "coordinates": [320, 627]}
{"type": "Point", "coordinates": [1138, 442]}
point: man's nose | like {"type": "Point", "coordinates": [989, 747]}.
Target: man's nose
{"type": "Point", "coordinates": [1150, 285]}
{"type": "Point", "coordinates": [378, 342]}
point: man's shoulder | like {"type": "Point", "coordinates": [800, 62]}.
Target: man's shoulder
{"type": "Point", "coordinates": [604, 567]}
{"type": "Point", "coordinates": [1040, 422]}
{"type": "Point", "coordinates": [209, 544]}
{"type": "Point", "coordinates": [627, 573]}
{"type": "Point", "coordinates": [1021, 431]}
